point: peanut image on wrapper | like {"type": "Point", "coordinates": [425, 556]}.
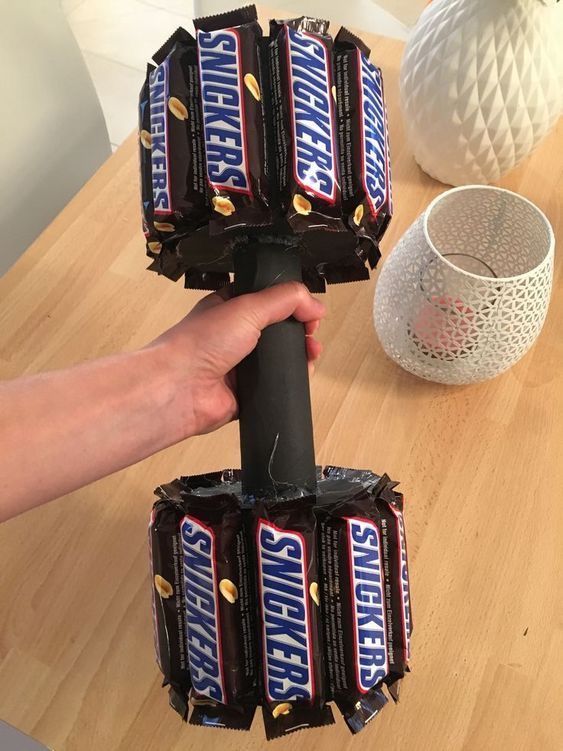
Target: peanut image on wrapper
{"type": "Point", "coordinates": [228, 590]}
{"type": "Point", "coordinates": [164, 226]}
{"type": "Point", "coordinates": [146, 139]}
{"type": "Point", "coordinates": [279, 709]}
{"type": "Point", "coordinates": [252, 85]}
{"type": "Point", "coordinates": [301, 204]}
{"type": "Point", "coordinates": [177, 108]}
{"type": "Point", "coordinates": [223, 205]}
{"type": "Point", "coordinates": [314, 592]}
{"type": "Point", "coordinates": [163, 587]}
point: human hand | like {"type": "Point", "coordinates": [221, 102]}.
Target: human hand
{"type": "Point", "coordinates": [201, 352]}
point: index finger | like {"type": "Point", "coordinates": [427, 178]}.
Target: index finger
{"type": "Point", "coordinates": [277, 303]}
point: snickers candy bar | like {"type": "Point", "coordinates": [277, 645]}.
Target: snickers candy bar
{"type": "Point", "coordinates": [219, 608]}
{"type": "Point", "coordinates": [168, 605]}
{"type": "Point", "coordinates": [304, 124]}
{"type": "Point", "coordinates": [397, 593]}
{"type": "Point", "coordinates": [363, 138]}
{"type": "Point", "coordinates": [234, 132]}
{"type": "Point", "coordinates": [293, 691]}
{"type": "Point", "coordinates": [154, 244]}
{"type": "Point", "coordinates": [179, 191]}
{"type": "Point", "coordinates": [353, 604]}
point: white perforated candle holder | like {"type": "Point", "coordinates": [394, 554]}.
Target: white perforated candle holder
{"type": "Point", "coordinates": [465, 292]}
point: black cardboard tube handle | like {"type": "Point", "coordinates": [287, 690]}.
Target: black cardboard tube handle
{"type": "Point", "coordinates": [276, 428]}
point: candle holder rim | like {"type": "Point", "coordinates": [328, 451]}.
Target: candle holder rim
{"type": "Point", "coordinates": [469, 274]}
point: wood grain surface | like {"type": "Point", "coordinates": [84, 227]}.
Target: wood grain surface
{"type": "Point", "coordinates": [481, 468]}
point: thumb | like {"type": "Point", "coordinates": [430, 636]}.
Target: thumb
{"type": "Point", "coordinates": [275, 304]}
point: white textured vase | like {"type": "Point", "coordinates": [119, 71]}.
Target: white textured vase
{"type": "Point", "coordinates": [464, 293]}
{"type": "Point", "coordinates": [481, 85]}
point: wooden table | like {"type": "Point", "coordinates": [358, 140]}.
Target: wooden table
{"type": "Point", "coordinates": [481, 467]}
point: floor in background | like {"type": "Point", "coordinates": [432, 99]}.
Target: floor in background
{"type": "Point", "coordinates": [117, 39]}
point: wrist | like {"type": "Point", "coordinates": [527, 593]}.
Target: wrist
{"type": "Point", "coordinates": [169, 384]}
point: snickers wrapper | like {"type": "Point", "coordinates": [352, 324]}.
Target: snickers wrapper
{"type": "Point", "coordinates": [168, 603]}
{"type": "Point", "coordinates": [363, 138]}
{"type": "Point", "coordinates": [179, 191]}
{"type": "Point", "coordinates": [389, 505]}
{"type": "Point", "coordinates": [293, 681]}
{"type": "Point", "coordinates": [306, 149]}
{"type": "Point", "coordinates": [154, 245]}
{"type": "Point", "coordinates": [218, 598]}
{"type": "Point", "coordinates": [353, 600]}
{"type": "Point", "coordinates": [234, 130]}
{"type": "Point", "coordinates": [289, 603]}
{"type": "Point", "coordinates": [255, 136]}
{"type": "Point", "coordinates": [220, 608]}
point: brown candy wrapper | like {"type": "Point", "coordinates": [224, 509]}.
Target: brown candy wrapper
{"type": "Point", "coordinates": [290, 603]}
{"type": "Point", "coordinates": [208, 259]}
{"type": "Point", "coordinates": [219, 603]}
{"type": "Point", "coordinates": [234, 130]}
{"type": "Point", "coordinates": [168, 602]}
{"type": "Point", "coordinates": [179, 194]}
{"type": "Point", "coordinates": [293, 689]}
{"type": "Point", "coordinates": [304, 124]}
{"type": "Point", "coordinates": [363, 137]}
{"type": "Point", "coordinates": [152, 238]}
{"type": "Point", "coordinates": [389, 505]}
{"type": "Point", "coordinates": [353, 602]}
{"type": "Point", "coordinates": [262, 149]}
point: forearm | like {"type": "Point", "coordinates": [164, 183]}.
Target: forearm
{"type": "Point", "coordinates": [61, 430]}
{"type": "Point", "coordinates": [64, 429]}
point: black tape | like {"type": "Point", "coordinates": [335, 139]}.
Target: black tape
{"type": "Point", "coordinates": [340, 258]}
{"type": "Point", "coordinates": [276, 434]}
